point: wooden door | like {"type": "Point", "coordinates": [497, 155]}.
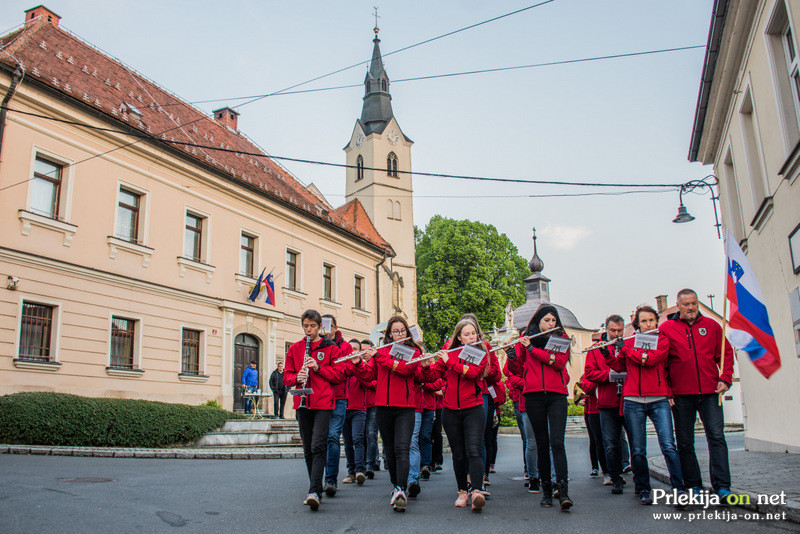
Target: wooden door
{"type": "Point", "coordinates": [245, 351]}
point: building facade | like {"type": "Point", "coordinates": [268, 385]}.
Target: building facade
{"type": "Point", "coordinates": [134, 227]}
{"type": "Point", "coordinates": [747, 125]}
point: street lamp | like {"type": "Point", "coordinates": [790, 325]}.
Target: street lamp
{"type": "Point", "coordinates": [699, 186]}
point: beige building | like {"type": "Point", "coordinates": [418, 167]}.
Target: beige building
{"type": "Point", "coordinates": [134, 226]}
{"type": "Point", "coordinates": [747, 125]}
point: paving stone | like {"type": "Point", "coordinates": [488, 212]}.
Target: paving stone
{"type": "Point", "coordinates": [62, 451]}
{"type": "Point", "coordinates": [103, 453]}
{"type": "Point", "coordinates": [144, 453]}
{"type": "Point", "coordinates": [43, 451]}
{"type": "Point", "coordinates": [124, 453]}
{"type": "Point", "coordinates": [19, 449]}
{"type": "Point", "coordinates": [81, 451]}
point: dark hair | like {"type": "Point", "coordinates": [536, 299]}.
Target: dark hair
{"type": "Point", "coordinates": [614, 319]}
{"type": "Point", "coordinates": [367, 342]}
{"type": "Point", "coordinates": [387, 336]}
{"type": "Point", "coordinates": [354, 340]}
{"type": "Point", "coordinates": [253, 362]}
{"type": "Point", "coordinates": [639, 310]}
{"type": "Point", "coordinates": [684, 292]}
{"type": "Point", "coordinates": [311, 315]}
{"type": "Point", "coordinates": [533, 324]}
{"type": "Point", "coordinates": [333, 319]}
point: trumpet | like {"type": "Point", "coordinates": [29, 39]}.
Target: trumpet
{"type": "Point", "coordinates": [362, 352]}
{"type": "Point", "coordinates": [609, 343]}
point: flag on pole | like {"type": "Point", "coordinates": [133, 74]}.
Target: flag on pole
{"type": "Point", "coordinates": [256, 290]}
{"type": "Point", "coordinates": [270, 287]}
{"type": "Point", "coordinates": [748, 322]}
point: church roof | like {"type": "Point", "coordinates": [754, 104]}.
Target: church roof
{"type": "Point", "coordinates": [92, 80]}
{"type": "Point", "coordinates": [523, 314]}
{"type": "Point", "coordinates": [377, 109]}
{"type": "Point", "coordinates": [354, 213]}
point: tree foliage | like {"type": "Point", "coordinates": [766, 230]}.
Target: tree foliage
{"type": "Point", "coordinates": [465, 267]}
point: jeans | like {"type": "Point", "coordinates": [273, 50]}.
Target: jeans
{"type": "Point", "coordinates": [636, 414]}
{"type": "Point", "coordinates": [334, 445]}
{"type": "Point", "coordinates": [248, 402]}
{"type": "Point", "coordinates": [465, 429]}
{"type": "Point", "coordinates": [531, 451]}
{"type": "Point", "coordinates": [685, 412]}
{"type": "Point", "coordinates": [413, 452]}
{"type": "Point", "coordinates": [488, 410]}
{"type": "Point", "coordinates": [613, 425]}
{"type": "Point", "coordinates": [436, 439]}
{"type": "Point", "coordinates": [596, 452]}
{"type": "Point", "coordinates": [425, 442]}
{"type": "Point", "coordinates": [313, 432]}
{"type": "Point", "coordinates": [396, 426]}
{"type": "Point", "coordinates": [521, 427]}
{"type": "Point", "coordinates": [547, 412]}
{"type": "Point", "coordinates": [371, 432]}
{"type": "Point", "coordinates": [354, 423]}
{"type": "Point", "coordinates": [278, 403]}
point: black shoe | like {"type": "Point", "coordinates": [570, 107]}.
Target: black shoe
{"type": "Point", "coordinates": [644, 498]}
{"type": "Point", "coordinates": [533, 485]}
{"type": "Point", "coordinates": [563, 496]}
{"type": "Point", "coordinates": [413, 490]}
{"type": "Point", "coordinates": [370, 474]}
{"type": "Point", "coordinates": [425, 472]}
{"type": "Point", "coordinates": [547, 494]}
{"type": "Point", "coordinates": [437, 467]}
{"type": "Point", "coordinates": [617, 484]}
{"type": "Point", "coordinates": [330, 489]}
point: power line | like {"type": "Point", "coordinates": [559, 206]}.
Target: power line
{"type": "Point", "coordinates": [143, 137]}
{"type": "Point", "coordinates": [545, 195]}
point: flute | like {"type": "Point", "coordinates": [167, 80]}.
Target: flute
{"type": "Point", "coordinates": [514, 342]}
{"type": "Point", "coordinates": [430, 355]}
{"type": "Point", "coordinates": [609, 343]}
{"type": "Point", "coordinates": [357, 354]}
{"type": "Point", "coordinates": [305, 382]}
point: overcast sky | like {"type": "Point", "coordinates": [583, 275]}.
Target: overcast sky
{"type": "Point", "coordinates": [625, 120]}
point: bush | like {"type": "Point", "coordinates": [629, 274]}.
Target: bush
{"type": "Point", "coordinates": [574, 409]}
{"type": "Point", "coordinates": [41, 418]}
{"type": "Point", "coordinates": [507, 415]}
{"type": "Point", "coordinates": [212, 403]}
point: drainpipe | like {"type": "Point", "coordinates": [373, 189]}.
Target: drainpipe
{"type": "Point", "coordinates": [378, 284]}
{"type": "Point", "coordinates": [16, 77]}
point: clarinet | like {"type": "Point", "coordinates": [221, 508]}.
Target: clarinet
{"type": "Point", "coordinates": [308, 354]}
{"type": "Point", "coordinates": [619, 384]}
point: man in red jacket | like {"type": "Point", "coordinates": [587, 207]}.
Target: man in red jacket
{"type": "Point", "coordinates": [695, 349]}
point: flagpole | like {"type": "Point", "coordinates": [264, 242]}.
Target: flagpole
{"type": "Point", "coordinates": [724, 318]}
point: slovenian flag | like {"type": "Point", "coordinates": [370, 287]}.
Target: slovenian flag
{"type": "Point", "coordinates": [256, 290]}
{"type": "Point", "coordinates": [270, 287]}
{"type": "Point", "coordinates": [748, 322]}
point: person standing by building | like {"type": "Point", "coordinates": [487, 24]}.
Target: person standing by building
{"type": "Point", "coordinates": [250, 384]}
{"type": "Point", "coordinates": [279, 391]}
{"type": "Point", "coordinates": [695, 350]}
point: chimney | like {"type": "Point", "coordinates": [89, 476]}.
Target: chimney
{"type": "Point", "coordinates": [228, 117]}
{"type": "Point", "coordinates": [41, 13]}
{"type": "Point", "coordinates": [661, 303]}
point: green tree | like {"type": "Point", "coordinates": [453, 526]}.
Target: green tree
{"type": "Point", "coordinates": [465, 267]}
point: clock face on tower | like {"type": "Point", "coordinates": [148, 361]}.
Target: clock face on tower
{"type": "Point", "coordinates": [393, 136]}
{"type": "Point", "coordinates": [359, 139]}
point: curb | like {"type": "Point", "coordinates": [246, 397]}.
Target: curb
{"type": "Point", "coordinates": [791, 508]}
{"type": "Point", "coordinates": [180, 454]}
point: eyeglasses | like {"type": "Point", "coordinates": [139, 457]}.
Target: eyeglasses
{"type": "Point", "coordinates": [398, 331]}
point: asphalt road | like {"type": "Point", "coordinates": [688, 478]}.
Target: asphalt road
{"type": "Point", "coordinates": [151, 495]}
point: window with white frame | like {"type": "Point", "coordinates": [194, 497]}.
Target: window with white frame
{"type": "Point", "coordinates": [36, 332]}
{"type": "Point", "coordinates": [46, 188]}
{"type": "Point", "coordinates": [785, 66]}
{"type": "Point", "coordinates": [358, 292]}
{"type": "Point", "coordinates": [327, 281]}
{"type": "Point", "coordinates": [191, 351]}
{"type": "Point", "coordinates": [194, 236]}
{"type": "Point", "coordinates": [247, 254]}
{"type": "Point", "coordinates": [752, 147]}
{"type": "Point", "coordinates": [389, 209]}
{"type": "Point", "coordinates": [123, 343]}
{"type": "Point", "coordinates": [128, 209]}
{"type": "Point", "coordinates": [292, 270]}
{"type": "Point", "coordinates": [730, 188]}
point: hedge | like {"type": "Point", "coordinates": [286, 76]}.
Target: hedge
{"type": "Point", "coordinates": [41, 418]}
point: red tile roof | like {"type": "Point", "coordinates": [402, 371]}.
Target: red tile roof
{"type": "Point", "coordinates": [63, 62]}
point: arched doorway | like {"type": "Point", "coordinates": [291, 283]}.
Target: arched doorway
{"type": "Point", "coordinates": [245, 351]}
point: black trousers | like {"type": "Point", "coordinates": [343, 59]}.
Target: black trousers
{"type": "Point", "coordinates": [396, 426]}
{"type": "Point", "coordinates": [547, 413]}
{"type": "Point", "coordinates": [685, 412]}
{"type": "Point", "coordinates": [436, 438]}
{"type": "Point", "coordinates": [465, 430]}
{"type": "Point", "coordinates": [278, 403]}
{"type": "Point", "coordinates": [596, 452]}
{"type": "Point", "coordinates": [314, 434]}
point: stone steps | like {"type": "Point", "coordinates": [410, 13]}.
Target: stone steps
{"type": "Point", "coordinates": [239, 433]}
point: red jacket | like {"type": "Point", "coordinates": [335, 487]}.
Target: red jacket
{"type": "Point", "coordinates": [596, 370]}
{"type": "Point", "coordinates": [463, 381]}
{"type": "Point", "coordinates": [499, 397]}
{"type": "Point", "coordinates": [532, 364]}
{"type": "Point", "coordinates": [644, 379]}
{"type": "Point", "coordinates": [340, 390]}
{"type": "Point", "coordinates": [324, 352]}
{"type": "Point", "coordinates": [515, 384]}
{"type": "Point", "coordinates": [590, 388]}
{"type": "Point", "coordinates": [429, 390]}
{"type": "Point", "coordinates": [358, 382]}
{"type": "Point", "coordinates": [371, 385]}
{"type": "Point", "coordinates": [494, 376]}
{"type": "Point", "coordinates": [395, 387]}
{"type": "Point", "coordinates": [694, 356]}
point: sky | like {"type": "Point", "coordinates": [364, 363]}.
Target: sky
{"type": "Point", "coordinates": [624, 120]}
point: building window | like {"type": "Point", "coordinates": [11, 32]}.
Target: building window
{"type": "Point", "coordinates": [389, 209]}
{"type": "Point", "coordinates": [35, 338]}
{"type": "Point", "coordinates": [46, 188]}
{"type": "Point", "coordinates": [247, 254]}
{"type": "Point", "coordinates": [359, 168]}
{"type": "Point", "coordinates": [752, 148]}
{"type": "Point", "coordinates": [358, 292]}
{"type": "Point", "coordinates": [327, 281]}
{"type": "Point", "coordinates": [391, 165]}
{"type": "Point", "coordinates": [123, 338]}
{"type": "Point", "coordinates": [291, 269]}
{"type": "Point", "coordinates": [193, 237]}
{"type": "Point", "coordinates": [190, 354]}
{"type": "Point", "coordinates": [730, 186]}
{"type": "Point", "coordinates": [794, 248]}
{"type": "Point", "coordinates": [397, 215]}
{"type": "Point", "coordinates": [785, 73]}
{"type": "Point", "coordinates": [128, 215]}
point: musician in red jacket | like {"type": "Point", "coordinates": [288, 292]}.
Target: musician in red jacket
{"type": "Point", "coordinates": [695, 350]}
{"type": "Point", "coordinates": [545, 393]}
{"type": "Point", "coordinates": [647, 395]}
{"type": "Point", "coordinates": [463, 415]}
{"type": "Point", "coordinates": [338, 415]}
{"type": "Point", "coordinates": [355, 420]}
{"type": "Point", "coordinates": [309, 364]}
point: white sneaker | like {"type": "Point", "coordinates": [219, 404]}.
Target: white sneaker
{"type": "Point", "coordinates": [399, 500]}
{"type": "Point", "coordinates": [312, 501]}
{"type": "Point", "coordinates": [606, 480]}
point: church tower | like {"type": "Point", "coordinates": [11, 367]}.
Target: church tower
{"type": "Point", "coordinates": [378, 156]}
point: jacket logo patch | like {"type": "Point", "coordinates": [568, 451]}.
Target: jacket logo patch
{"type": "Point", "coordinates": [702, 331]}
{"type": "Point", "coordinates": [321, 355]}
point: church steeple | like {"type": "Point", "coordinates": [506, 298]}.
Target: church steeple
{"type": "Point", "coordinates": [537, 285]}
{"type": "Point", "coordinates": [377, 110]}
